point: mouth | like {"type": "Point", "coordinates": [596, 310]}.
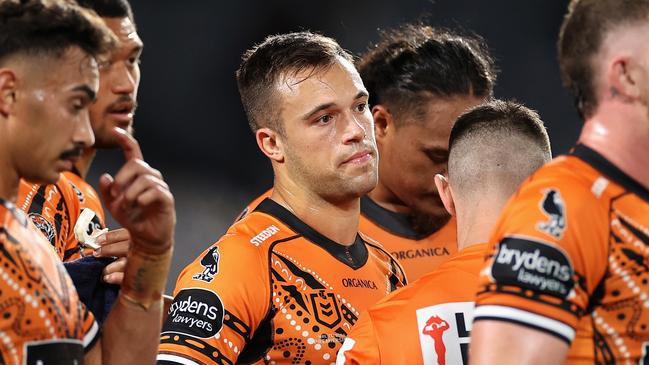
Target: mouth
{"type": "Point", "coordinates": [359, 157]}
{"type": "Point", "coordinates": [122, 113]}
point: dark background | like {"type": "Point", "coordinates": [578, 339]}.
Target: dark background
{"type": "Point", "coordinates": [190, 122]}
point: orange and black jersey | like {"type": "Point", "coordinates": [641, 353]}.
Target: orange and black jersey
{"type": "Point", "coordinates": [570, 257]}
{"type": "Point", "coordinates": [273, 290]}
{"type": "Point", "coordinates": [428, 322]}
{"type": "Point", "coordinates": [42, 320]}
{"type": "Point", "coordinates": [55, 208]}
{"type": "Point", "coordinates": [418, 253]}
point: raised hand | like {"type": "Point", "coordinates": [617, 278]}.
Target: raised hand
{"type": "Point", "coordinates": [140, 200]}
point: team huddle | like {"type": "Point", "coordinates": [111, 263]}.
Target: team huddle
{"type": "Point", "coordinates": [413, 218]}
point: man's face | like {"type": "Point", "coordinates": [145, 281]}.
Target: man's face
{"type": "Point", "coordinates": [49, 124]}
{"type": "Point", "coordinates": [414, 152]}
{"type": "Point", "coordinates": [119, 80]}
{"type": "Point", "coordinates": [328, 140]}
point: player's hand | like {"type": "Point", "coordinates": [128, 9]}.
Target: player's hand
{"type": "Point", "coordinates": [114, 243]}
{"type": "Point", "coordinates": [140, 200]}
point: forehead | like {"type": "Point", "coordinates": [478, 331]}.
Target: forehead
{"type": "Point", "coordinates": [74, 67]}
{"type": "Point", "coordinates": [125, 31]}
{"type": "Point", "coordinates": [440, 114]}
{"type": "Point", "coordinates": [338, 82]}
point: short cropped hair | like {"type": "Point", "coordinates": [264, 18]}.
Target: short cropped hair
{"type": "Point", "coordinates": [583, 31]}
{"type": "Point", "coordinates": [49, 28]}
{"type": "Point", "coordinates": [499, 144]}
{"type": "Point", "coordinates": [413, 62]}
{"type": "Point", "coordinates": [109, 8]}
{"type": "Point", "coordinates": [276, 57]}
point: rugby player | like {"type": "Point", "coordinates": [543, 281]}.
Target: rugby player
{"type": "Point", "coordinates": [420, 79]}
{"type": "Point", "coordinates": [55, 208]}
{"type": "Point", "coordinates": [493, 148]}
{"type": "Point", "coordinates": [287, 282]}
{"type": "Point", "coordinates": [48, 79]}
{"type": "Point", "coordinates": [568, 259]}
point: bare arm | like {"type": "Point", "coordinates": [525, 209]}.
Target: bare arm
{"type": "Point", "coordinates": [141, 202]}
{"type": "Point", "coordinates": [502, 343]}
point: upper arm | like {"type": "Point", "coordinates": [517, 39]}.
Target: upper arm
{"type": "Point", "coordinates": [219, 301]}
{"type": "Point", "coordinates": [522, 345]}
{"type": "Point", "coordinates": [549, 253]}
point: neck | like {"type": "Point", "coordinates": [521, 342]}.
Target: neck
{"type": "Point", "coordinates": [620, 133]}
{"type": "Point", "coordinates": [83, 165]}
{"type": "Point", "coordinates": [336, 221]}
{"type": "Point", "coordinates": [385, 198]}
{"type": "Point", "coordinates": [475, 224]}
{"type": "Point", "coordinates": [9, 179]}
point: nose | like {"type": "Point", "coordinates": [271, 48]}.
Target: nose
{"type": "Point", "coordinates": [83, 135]}
{"type": "Point", "coordinates": [355, 130]}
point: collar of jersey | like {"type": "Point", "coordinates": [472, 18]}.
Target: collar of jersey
{"type": "Point", "coordinates": [606, 167]}
{"type": "Point", "coordinates": [395, 223]}
{"type": "Point", "coordinates": [354, 256]}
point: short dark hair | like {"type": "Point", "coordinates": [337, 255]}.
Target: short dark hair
{"type": "Point", "coordinates": [583, 30]}
{"type": "Point", "coordinates": [39, 27]}
{"type": "Point", "coordinates": [109, 8]}
{"type": "Point", "coordinates": [278, 55]}
{"type": "Point", "coordinates": [495, 146]}
{"type": "Point", "coordinates": [499, 114]}
{"type": "Point", "coordinates": [414, 61]}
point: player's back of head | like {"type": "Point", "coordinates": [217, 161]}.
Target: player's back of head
{"type": "Point", "coordinates": [494, 147]}
{"type": "Point", "coordinates": [277, 57]}
{"type": "Point", "coordinates": [583, 32]}
{"type": "Point", "coordinates": [48, 28]}
{"type": "Point", "coordinates": [413, 62]}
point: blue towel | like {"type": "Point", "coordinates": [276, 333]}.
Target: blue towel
{"type": "Point", "coordinates": [98, 296]}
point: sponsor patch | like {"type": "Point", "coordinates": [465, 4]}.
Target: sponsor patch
{"type": "Point", "coordinates": [533, 265]}
{"type": "Point", "coordinates": [196, 312]}
{"type": "Point", "coordinates": [210, 263]}
{"type": "Point", "coordinates": [44, 226]}
{"type": "Point", "coordinates": [444, 333]}
{"type": "Point", "coordinates": [553, 207]}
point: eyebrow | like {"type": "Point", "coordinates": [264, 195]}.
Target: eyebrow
{"type": "Point", "coordinates": [87, 90]}
{"type": "Point", "coordinates": [361, 94]}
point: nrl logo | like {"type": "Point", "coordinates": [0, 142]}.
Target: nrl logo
{"type": "Point", "coordinates": [211, 264]}
{"type": "Point", "coordinates": [552, 205]}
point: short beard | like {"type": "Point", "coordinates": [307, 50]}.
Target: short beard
{"type": "Point", "coordinates": [425, 223]}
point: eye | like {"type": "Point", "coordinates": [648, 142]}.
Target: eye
{"type": "Point", "coordinates": [134, 60]}
{"type": "Point", "coordinates": [325, 119]}
{"type": "Point", "coordinates": [361, 107]}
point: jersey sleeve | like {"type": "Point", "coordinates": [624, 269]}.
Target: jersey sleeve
{"type": "Point", "coordinates": [219, 302]}
{"type": "Point", "coordinates": [548, 254]}
{"type": "Point", "coordinates": [91, 332]}
{"type": "Point", "coordinates": [361, 345]}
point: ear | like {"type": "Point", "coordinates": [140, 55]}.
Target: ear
{"type": "Point", "coordinates": [624, 78]}
{"type": "Point", "coordinates": [383, 122]}
{"type": "Point", "coordinates": [445, 193]}
{"type": "Point", "coordinates": [7, 91]}
{"type": "Point", "coordinates": [270, 144]}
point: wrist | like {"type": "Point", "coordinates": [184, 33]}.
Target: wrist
{"type": "Point", "coordinates": [145, 277]}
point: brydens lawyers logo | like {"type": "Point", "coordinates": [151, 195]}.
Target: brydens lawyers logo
{"type": "Point", "coordinates": [535, 265]}
{"type": "Point", "coordinates": [210, 263]}
{"type": "Point", "coordinates": [444, 333]}
{"type": "Point", "coordinates": [552, 206]}
{"type": "Point", "coordinates": [196, 312]}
